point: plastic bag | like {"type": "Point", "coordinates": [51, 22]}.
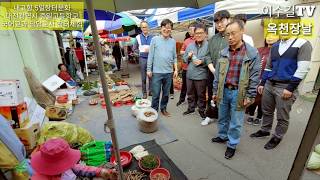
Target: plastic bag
{"type": "Point", "coordinates": [314, 161]}
{"type": "Point", "coordinates": [80, 74]}
{"type": "Point", "coordinates": [148, 115]}
{"type": "Point", "coordinates": [96, 153]}
{"type": "Point", "coordinates": [73, 134]}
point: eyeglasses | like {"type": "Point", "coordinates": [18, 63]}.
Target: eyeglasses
{"type": "Point", "coordinates": [199, 33]}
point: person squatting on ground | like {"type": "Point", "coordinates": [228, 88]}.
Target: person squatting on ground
{"type": "Point", "coordinates": [235, 85]}
{"type": "Point", "coordinates": [196, 58]}
{"type": "Point", "coordinates": [186, 43]}
{"type": "Point", "coordinates": [288, 64]}
{"type": "Point", "coordinates": [143, 45]}
{"type": "Point", "coordinates": [55, 160]}
{"type": "Point", "coordinates": [162, 60]}
{"type": "Point", "coordinates": [264, 54]}
{"type": "Point", "coordinates": [216, 44]}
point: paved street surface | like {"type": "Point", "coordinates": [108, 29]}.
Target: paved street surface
{"type": "Point", "coordinates": [199, 159]}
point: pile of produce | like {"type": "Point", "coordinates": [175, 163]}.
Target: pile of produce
{"type": "Point", "coordinates": [149, 162]}
{"type": "Point", "coordinates": [314, 161]}
{"type": "Point", "coordinates": [134, 175]}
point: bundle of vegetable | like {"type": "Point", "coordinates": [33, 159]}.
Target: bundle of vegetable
{"type": "Point", "coordinates": [314, 161]}
{"type": "Point", "coordinates": [149, 162]}
{"type": "Point", "coordinates": [134, 175]}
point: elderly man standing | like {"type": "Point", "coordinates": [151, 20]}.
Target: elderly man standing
{"type": "Point", "coordinates": [162, 60]}
{"type": "Point", "coordinates": [235, 85]}
{"type": "Point", "coordinates": [143, 43]}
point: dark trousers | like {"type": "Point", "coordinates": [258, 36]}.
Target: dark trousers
{"type": "Point", "coordinates": [143, 71]}
{"type": "Point", "coordinates": [82, 65]}
{"type": "Point", "coordinates": [252, 108]}
{"type": "Point", "coordinates": [183, 92]}
{"type": "Point", "coordinates": [271, 100]}
{"type": "Point", "coordinates": [196, 87]}
{"type": "Point", "coordinates": [160, 81]}
{"type": "Point", "coordinates": [210, 87]}
{"type": "Point", "coordinates": [118, 61]}
{"type": "Point", "coordinates": [172, 87]}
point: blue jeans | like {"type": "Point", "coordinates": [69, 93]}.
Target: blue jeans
{"type": "Point", "coordinates": [230, 121]}
{"type": "Point", "coordinates": [160, 81]}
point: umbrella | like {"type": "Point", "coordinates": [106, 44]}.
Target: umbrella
{"type": "Point", "coordinates": [103, 15]}
{"type": "Point", "coordinates": [123, 24]}
{"type": "Point", "coordinates": [116, 6]}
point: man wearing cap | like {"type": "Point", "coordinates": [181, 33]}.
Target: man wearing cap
{"type": "Point", "coordinates": [143, 43]}
{"type": "Point", "coordinates": [235, 85]}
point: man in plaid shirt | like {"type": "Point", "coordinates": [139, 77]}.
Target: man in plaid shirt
{"type": "Point", "coordinates": [234, 86]}
{"type": "Point", "coordinates": [233, 74]}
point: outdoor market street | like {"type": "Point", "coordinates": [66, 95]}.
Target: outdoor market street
{"type": "Point", "coordinates": [198, 158]}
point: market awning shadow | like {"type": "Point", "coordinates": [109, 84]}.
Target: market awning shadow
{"type": "Point", "coordinates": [92, 118]}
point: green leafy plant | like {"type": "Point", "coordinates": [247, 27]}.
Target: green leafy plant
{"type": "Point", "coordinates": [149, 162]}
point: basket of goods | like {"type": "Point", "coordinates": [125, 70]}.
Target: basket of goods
{"type": "Point", "coordinates": [143, 103]}
{"type": "Point", "coordinates": [159, 174]}
{"type": "Point", "coordinates": [147, 120]}
{"type": "Point", "coordinates": [135, 111]}
{"type": "Point", "coordinates": [93, 102]}
{"type": "Point", "coordinates": [125, 158]}
{"type": "Point", "coordinates": [149, 163]}
{"type": "Point", "coordinates": [62, 99]}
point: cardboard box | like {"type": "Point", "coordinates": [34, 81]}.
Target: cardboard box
{"type": "Point", "coordinates": [36, 112]}
{"type": "Point", "coordinates": [29, 135]}
{"type": "Point", "coordinates": [17, 115]}
{"type": "Point", "coordinates": [72, 93]}
{"type": "Point", "coordinates": [11, 93]}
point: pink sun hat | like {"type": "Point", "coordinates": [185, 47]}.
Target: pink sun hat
{"type": "Point", "coordinates": [54, 157]}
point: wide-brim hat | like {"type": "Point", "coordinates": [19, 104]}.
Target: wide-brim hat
{"type": "Point", "coordinates": [54, 157]}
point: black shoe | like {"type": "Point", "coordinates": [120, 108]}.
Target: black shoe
{"type": "Point", "coordinates": [144, 96]}
{"type": "Point", "coordinates": [229, 153]}
{"type": "Point", "coordinates": [274, 141]}
{"type": "Point", "coordinates": [256, 122]}
{"type": "Point", "coordinates": [179, 103]}
{"type": "Point", "coordinates": [202, 114]}
{"type": "Point", "coordinates": [260, 134]}
{"type": "Point", "coordinates": [171, 96]}
{"type": "Point", "coordinates": [219, 140]}
{"type": "Point", "coordinates": [150, 93]}
{"type": "Point", "coordinates": [249, 120]}
{"type": "Point", "coordinates": [188, 112]}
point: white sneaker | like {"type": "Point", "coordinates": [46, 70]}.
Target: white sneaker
{"type": "Point", "coordinates": [206, 121]}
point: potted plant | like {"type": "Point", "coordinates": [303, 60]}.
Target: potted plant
{"type": "Point", "coordinates": [149, 162]}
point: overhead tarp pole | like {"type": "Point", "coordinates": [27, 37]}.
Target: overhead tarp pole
{"type": "Point", "coordinates": [85, 54]}
{"type": "Point", "coordinates": [109, 123]}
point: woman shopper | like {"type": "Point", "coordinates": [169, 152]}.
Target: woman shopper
{"type": "Point", "coordinates": [264, 53]}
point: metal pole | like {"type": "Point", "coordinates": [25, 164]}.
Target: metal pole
{"type": "Point", "coordinates": [85, 56]}
{"type": "Point", "coordinates": [309, 136]}
{"type": "Point", "coordinates": [109, 123]}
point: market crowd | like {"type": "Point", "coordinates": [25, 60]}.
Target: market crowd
{"type": "Point", "coordinates": [226, 77]}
